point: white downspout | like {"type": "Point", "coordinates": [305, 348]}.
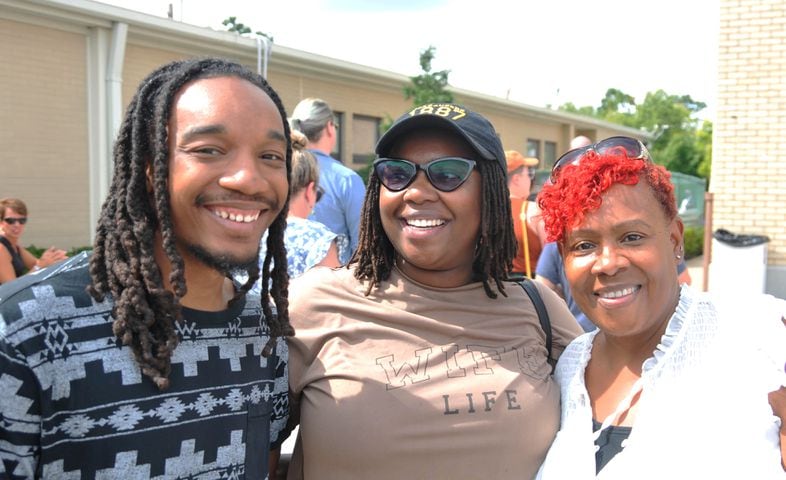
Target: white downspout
{"type": "Point", "coordinates": [114, 87]}
{"type": "Point", "coordinates": [105, 82]}
{"type": "Point", "coordinates": [262, 60]}
{"type": "Point", "coordinates": [97, 52]}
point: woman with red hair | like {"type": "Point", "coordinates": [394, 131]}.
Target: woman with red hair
{"type": "Point", "coordinates": [673, 384]}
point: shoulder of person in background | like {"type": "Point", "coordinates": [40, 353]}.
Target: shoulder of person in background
{"type": "Point", "coordinates": [683, 273]}
{"type": "Point", "coordinates": [549, 263]}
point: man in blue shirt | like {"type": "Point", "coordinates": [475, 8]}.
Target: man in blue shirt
{"type": "Point", "coordinates": [343, 189]}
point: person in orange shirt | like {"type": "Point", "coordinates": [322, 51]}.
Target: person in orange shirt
{"type": "Point", "coordinates": [521, 173]}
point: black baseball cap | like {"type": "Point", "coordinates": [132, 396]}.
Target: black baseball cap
{"type": "Point", "coordinates": [473, 127]}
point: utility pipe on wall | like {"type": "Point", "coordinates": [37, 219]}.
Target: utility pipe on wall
{"type": "Point", "coordinates": [262, 59]}
{"type": "Point", "coordinates": [114, 82]}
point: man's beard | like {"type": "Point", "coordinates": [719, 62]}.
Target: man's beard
{"type": "Point", "coordinates": [222, 263]}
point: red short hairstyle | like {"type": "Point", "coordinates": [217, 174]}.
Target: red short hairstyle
{"type": "Point", "coordinates": [579, 188]}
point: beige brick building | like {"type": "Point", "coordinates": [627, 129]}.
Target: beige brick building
{"type": "Point", "coordinates": [749, 144]}
{"type": "Point", "coordinates": [69, 68]}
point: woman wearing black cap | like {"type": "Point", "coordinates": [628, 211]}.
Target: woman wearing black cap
{"type": "Point", "coordinates": [419, 360]}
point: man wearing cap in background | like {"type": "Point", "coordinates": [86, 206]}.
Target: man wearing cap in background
{"type": "Point", "coordinates": [526, 214]}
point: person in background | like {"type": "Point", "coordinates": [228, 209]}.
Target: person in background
{"type": "Point", "coordinates": [579, 141]}
{"type": "Point", "coordinates": [342, 187]}
{"type": "Point", "coordinates": [308, 243]}
{"type": "Point", "coordinates": [674, 383]}
{"type": "Point", "coordinates": [144, 359]}
{"type": "Point", "coordinates": [419, 359]}
{"type": "Point", "coordinates": [551, 273]}
{"type": "Point", "coordinates": [526, 214]}
{"type": "Point", "coordinates": [16, 260]}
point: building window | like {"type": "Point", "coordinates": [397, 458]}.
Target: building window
{"type": "Point", "coordinates": [365, 133]}
{"type": "Point", "coordinates": [533, 148]}
{"type": "Point", "coordinates": [337, 150]}
{"type": "Point", "coordinates": [549, 155]}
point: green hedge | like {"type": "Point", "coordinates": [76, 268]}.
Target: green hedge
{"type": "Point", "coordinates": [694, 241]}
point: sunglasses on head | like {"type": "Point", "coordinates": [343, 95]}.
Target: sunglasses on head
{"type": "Point", "coordinates": [15, 220]}
{"type": "Point", "coordinates": [320, 192]}
{"type": "Point", "coordinates": [632, 147]}
{"type": "Point", "coordinates": [445, 174]}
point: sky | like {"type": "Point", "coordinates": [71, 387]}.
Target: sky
{"type": "Point", "coordinates": [538, 52]}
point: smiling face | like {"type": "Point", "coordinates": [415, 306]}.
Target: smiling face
{"type": "Point", "coordinates": [227, 170]}
{"type": "Point", "coordinates": [434, 233]}
{"type": "Point", "coordinates": [621, 263]}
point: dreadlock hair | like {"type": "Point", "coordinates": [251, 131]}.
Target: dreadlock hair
{"type": "Point", "coordinates": [494, 252]}
{"type": "Point", "coordinates": [123, 263]}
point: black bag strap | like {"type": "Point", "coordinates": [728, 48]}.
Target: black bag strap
{"type": "Point", "coordinates": [543, 315]}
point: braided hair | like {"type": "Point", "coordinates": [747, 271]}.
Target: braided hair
{"type": "Point", "coordinates": [494, 252]}
{"type": "Point", "coordinates": [123, 264]}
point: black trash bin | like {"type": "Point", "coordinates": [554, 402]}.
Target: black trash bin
{"type": "Point", "coordinates": [739, 262]}
{"type": "Point", "coordinates": [737, 240]}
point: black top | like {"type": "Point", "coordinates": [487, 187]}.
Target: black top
{"type": "Point", "coordinates": [609, 443]}
{"type": "Point", "coordinates": [75, 404]}
{"type": "Point", "coordinates": [16, 257]}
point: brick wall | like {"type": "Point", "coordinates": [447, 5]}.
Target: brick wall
{"type": "Point", "coordinates": [749, 144]}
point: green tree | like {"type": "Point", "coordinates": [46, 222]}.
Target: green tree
{"type": "Point", "coordinates": [680, 143]}
{"type": "Point", "coordinates": [680, 154]}
{"type": "Point", "coordinates": [667, 115]}
{"type": "Point", "coordinates": [571, 108]}
{"type": "Point", "coordinates": [671, 118]}
{"type": "Point", "coordinates": [617, 107]}
{"type": "Point", "coordinates": [704, 144]}
{"type": "Point", "coordinates": [428, 87]}
{"type": "Point", "coordinates": [241, 29]}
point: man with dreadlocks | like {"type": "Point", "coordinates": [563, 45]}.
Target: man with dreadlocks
{"type": "Point", "coordinates": [162, 367]}
{"type": "Point", "coordinates": [419, 360]}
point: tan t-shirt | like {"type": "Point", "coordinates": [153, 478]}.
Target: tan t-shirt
{"type": "Point", "coordinates": [420, 382]}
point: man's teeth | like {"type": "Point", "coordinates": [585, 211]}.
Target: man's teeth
{"type": "Point", "coordinates": [424, 223]}
{"type": "Point", "coordinates": [237, 217]}
{"type": "Point", "coordinates": [618, 293]}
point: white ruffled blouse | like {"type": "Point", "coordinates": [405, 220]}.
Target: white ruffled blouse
{"type": "Point", "coordinates": [703, 411]}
